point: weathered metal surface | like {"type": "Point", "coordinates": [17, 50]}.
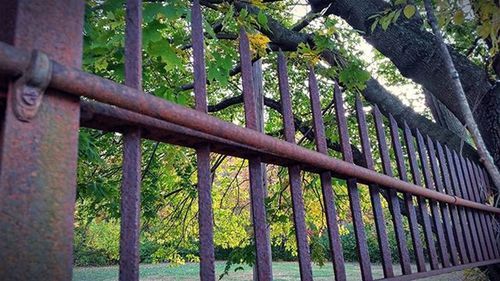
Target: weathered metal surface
{"type": "Point", "coordinates": [378, 212]}
{"type": "Point", "coordinates": [326, 182]}
{"type": "Point", "coordinates": [30, 87]}
{"type": "Point", "coordinates": [422, 206]}
{"type": "Point", "coordinates": [131, 169]}
{"type": "Point", "coordinates": [294, 175]}
{"type": "Point", "coordinates": [262, 240]}
{"type": "Point", "coordinates": [408, 200]}
{"type": "Point", "coordinates": [448, 234]}
{"type": "Point", "coordinates": [205, 213]}
{"type": "Point", "coordinates": [436, 218]}
{"type": "Point", "coordinates": [393, 201]}
{"type": "Point", "coordinates": [456, 227]}
{"type": "Point", "coordinates": [352, 189]}
{"type": "Point", "coordinates": [38, 158]}
{"type": "Point", "coordinates": [462, 211]}
{"type": "Point", "coordinates": [79, 83]}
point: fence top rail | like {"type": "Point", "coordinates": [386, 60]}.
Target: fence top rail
{"type": "Point", "coordinates": [14, 61]}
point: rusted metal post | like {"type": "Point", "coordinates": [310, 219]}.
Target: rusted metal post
{"type": "Point", "coordinates": [294, 175]}
{"type": "Point", "coordinates": [39, 157]}
{"type": "Point", "coordinates": [261, 233]}
{"type": "Point", "coordinates": [131, 170]}
{"type": "Point", "coordinates": [326, 182]}
{"type": "Point", "coordinates": [205, 216]}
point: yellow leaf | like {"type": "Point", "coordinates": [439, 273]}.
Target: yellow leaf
{"type": "Point", "coordinates": [258, 3]}
{"type": "Point", "coordinates": [258, 43]}
{"type": "Point", "coordinates": [409, 11]}
{"type": "Point", "coordinates": [459, 17]}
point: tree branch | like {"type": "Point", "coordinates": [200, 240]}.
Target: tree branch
{"type": "Point", "coordinates": [462, 100]}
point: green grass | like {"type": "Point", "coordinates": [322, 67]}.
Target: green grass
{"type": "Point", "coordinates": [281, 271]}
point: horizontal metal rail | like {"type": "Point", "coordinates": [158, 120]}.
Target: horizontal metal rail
{"type": "Point", "coordinates": [13, 61]}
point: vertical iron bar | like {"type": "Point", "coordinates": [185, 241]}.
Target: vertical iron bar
{"type": "Point", "coordinates": [422, 207]}
{"type": "Point", "coordinates": [294, 175]}
{"type": "Point", "coordinates": [374, 193]}
{"type": "Point", "coordinates": [433, 204]}
{"type": "Point", "coordinates": [455, 191]}
{"type": "Point", "coordinates": [262, 240]}
{"type": "Point", "coordinates": [412, 216]}
{"type": "Point", "coordinates": [444, 207]}
{"type": "Point", "coordinates": [470, 221]}
{"type": "Point", "coordinates": [326, 182]}
{"type": "Point", "coordinates": [205, 215]}
{"type": "Point", "coordinates": [39, 158]}
{"type": "Point", "coordinates": [456, 227]}
{"type": "Point", "coordinates": [476, 188]}
{"type": "Point", "coordinates": [471, 186]}
{"type": "Point", "coordinates": [393, 201]}
{"type": "Point", "coordinates": [352, 189]}
{"type": "Point", "coordinates": [131, 170]}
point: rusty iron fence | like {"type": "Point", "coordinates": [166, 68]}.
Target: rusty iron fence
{"type": "Point", "coordinates": [451, 227]}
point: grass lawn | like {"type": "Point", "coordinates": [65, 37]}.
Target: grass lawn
{"type": "Point", "coordinates": [281, 271]}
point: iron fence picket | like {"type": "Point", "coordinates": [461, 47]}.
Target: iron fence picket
{"type": "Point", "coordinates": [131, 170]}
{"type": "Point", "coordinates": [257, 193]}
{"type": "Point", "coordinates": [326, 181]}
{"type": "Point", "coordinates": [294, 174]}
{"type": "Point", "coordinates": [204, 185]}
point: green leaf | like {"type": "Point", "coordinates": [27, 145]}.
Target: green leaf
{"type": "Point", "coordinates": [409, 11]}
{"type": "Point", "coordinates": [374, 25]}
{"type": "Point", "coordinates": [167, 53]}
{"type": "Point", "coordinates": [208, 28]}
{"type": "Point", "coordinates": [262, 20]}
{"type": "Point", "coordinates": [384, 22]}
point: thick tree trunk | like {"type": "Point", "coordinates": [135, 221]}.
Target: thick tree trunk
{"type": "Point", "coordinates": [413, 51]}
